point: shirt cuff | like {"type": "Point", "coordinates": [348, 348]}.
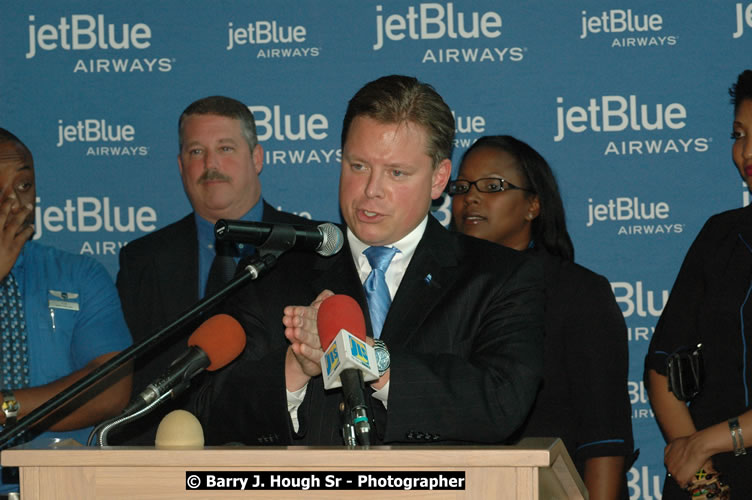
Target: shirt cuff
{"type": "Point", "coordinates": [294, 400]}
{"type": "Point", "coordinates": [381, 394]}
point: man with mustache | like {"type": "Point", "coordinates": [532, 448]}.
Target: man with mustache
{"type": "Point", "coordinates": [165, 272]}
{"type": "Point", "coordinates": [60, 319]}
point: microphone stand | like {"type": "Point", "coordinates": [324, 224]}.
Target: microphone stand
{"type": "Point", "coordinates": [273, 247]}
{"type": "Point", "coordinates": [98, 435]}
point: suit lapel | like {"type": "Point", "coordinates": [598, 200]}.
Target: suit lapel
{"type": "Point", "coordinates": [431, 274]}
{"type": "Point", "coordinates": [182, 266]}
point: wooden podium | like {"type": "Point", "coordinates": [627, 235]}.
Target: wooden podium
{"type": "Point", "coordinates": [536, 468]}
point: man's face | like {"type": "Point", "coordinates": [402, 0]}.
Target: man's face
{"type": "Point", "coordinates": [17, 177]}
{"type": "Point", "coordinates": [387, 180]}
{"type": "Point", "coordinates": [219, 171]}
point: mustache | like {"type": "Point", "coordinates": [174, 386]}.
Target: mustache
{"type": "Point", "coordinates": [213, 175]}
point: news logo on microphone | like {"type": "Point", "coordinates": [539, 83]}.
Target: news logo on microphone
{"type": "Point", "coordinates": [347, 351]}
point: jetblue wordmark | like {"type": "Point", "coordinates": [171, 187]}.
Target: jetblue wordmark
{"type": "Point", "coordinates": [615, 113]}
{"type": "Point", "coordinates": [85, 32]}
{"type": "Point", "coordinates": [620, 21]}
{"type": "Point", "coordinates": [93, 130]}
{"type": "Point", "coordinates": [432, 21]}
{"type": "Point", "coordinates": [263, 32]}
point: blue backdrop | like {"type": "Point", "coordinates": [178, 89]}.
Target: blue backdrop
{"type": "Point", "coordinates": [626, 99]}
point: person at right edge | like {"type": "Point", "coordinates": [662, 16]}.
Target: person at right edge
{"type": "Point", "coordinates": [506, 193]}
{"type": "Point", "coordinates": [710, 305]}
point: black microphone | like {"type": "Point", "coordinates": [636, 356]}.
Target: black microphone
{"type": "Point", "coordinates": [218, 341]}
{"type": "Point", "coordinates": [325, 239]}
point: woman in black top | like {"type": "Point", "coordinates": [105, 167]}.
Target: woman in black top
{"type": "Point", "coordinates": [506, 193]}
{"type": "Point", "coordinates": [711, 304]}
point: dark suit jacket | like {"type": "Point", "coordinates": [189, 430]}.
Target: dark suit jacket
{"type": "Point", "coordinates": [583, 399]}
{"type": "Point", "coordinates": [465, 332]}
{"type": "Point", "coordinates": [157, 282]}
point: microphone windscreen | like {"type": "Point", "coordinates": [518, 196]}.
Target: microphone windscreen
{"type": "Point", "coordinates": [222, 339]}
{"type": "Point", "coordinates": [179, 429]}
{"type": "Point", "coordinates": [340, 312]}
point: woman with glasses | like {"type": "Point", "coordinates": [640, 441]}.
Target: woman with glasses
{"type": "Point", "coordinates": [506, 193]}
{"type": "Point", "coordinates": [711, 305]}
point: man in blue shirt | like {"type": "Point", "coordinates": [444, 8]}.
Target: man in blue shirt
{"type": "Point", "coordinates": [69, 316]}
{"type": "Point", "coordinates": [165, 272]}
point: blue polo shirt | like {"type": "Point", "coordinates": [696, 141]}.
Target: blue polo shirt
{"type": "Point", "coordinates": [73, 315]}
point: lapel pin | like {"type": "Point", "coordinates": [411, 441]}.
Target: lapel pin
{"type": "Point", "coordinates": [427, 279]}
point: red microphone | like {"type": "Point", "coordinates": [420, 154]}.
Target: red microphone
{"type": "Point", "coordinates": [347, 362]}
{"type": "Point", "coordinates": [340, 312]}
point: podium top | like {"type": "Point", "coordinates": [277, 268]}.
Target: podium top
{"type": "Point", "coordinates": [530, 452]}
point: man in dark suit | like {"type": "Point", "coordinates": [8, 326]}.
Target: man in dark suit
{"type": "Point", "coordinates": [464, 330]}
{"type": "Point", "coordinates": [165, 272]}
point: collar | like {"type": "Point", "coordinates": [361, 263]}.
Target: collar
{"type": "Point", "coordinates": [205, 229]}
{"type": "Point", "coordinates": [406, 247]}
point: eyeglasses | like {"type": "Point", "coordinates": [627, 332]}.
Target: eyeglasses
{"type": "Point", "coordinates": [485, 185]}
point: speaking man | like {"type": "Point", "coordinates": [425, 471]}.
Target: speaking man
{"type": "Point", "coordinates": [60, 318]}
{"type": "Point", "coordinates": [463, 333]}
{"type": "Point", "coordinates": [165, 272]}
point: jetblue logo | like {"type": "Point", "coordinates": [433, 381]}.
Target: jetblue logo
{"type": "Point", "coordinates": [270, 40]}
{"type": "Point", "coordinates": [628, 28]}
{"type": "Point", "coordinates": [647, 218]}
{"type": "Point", "coordinates": [264, 32]}
{"type": "Point", "coordinates": [93, 130]}
{"type": "Point", "coordinates": [624, 208]}
{"type": "Point", "coordinates": [615, 113]}
{"type": "Point", "coordinates": [85, 32]}
{"type": "Point", "coordinates": [432, 21]}
{"type": "Point", "coordinates": [88, 214]}
{"type": "Point", "coordinates": [620, 21]}
{"type": "Point", "coordinates": [435, 21]}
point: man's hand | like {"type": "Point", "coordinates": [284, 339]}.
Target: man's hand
{"type": "Point", "coordinates": [14, 231]}
{"type": "Point", "coordinates": [304, 354]}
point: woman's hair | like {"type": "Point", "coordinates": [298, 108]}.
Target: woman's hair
{"type": "Point", "coordinates": [742, 89]}
{"type": "Point", "coordinates": [549, 229]}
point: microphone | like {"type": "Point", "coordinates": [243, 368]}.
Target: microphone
{"type": "Point", "coordinates": [348, 361]}
{"type": "Point", "coordinates": [325, 239]}
{"type": "Point", "coordinates": [215, 343]}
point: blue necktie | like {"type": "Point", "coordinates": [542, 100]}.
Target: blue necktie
{"type": "Point", "coordinates": [13, 346]}
{"type": "Point", "coordinates": [377, 291]}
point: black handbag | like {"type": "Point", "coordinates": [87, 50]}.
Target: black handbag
{"type": "Point", "coordinates": [685, 372]}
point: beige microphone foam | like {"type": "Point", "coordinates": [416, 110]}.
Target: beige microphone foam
{"type": "Point", "coordinates": [179, 429]}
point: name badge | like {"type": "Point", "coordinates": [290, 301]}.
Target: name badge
{"type": "Point", "coordinates": [63, 300]}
